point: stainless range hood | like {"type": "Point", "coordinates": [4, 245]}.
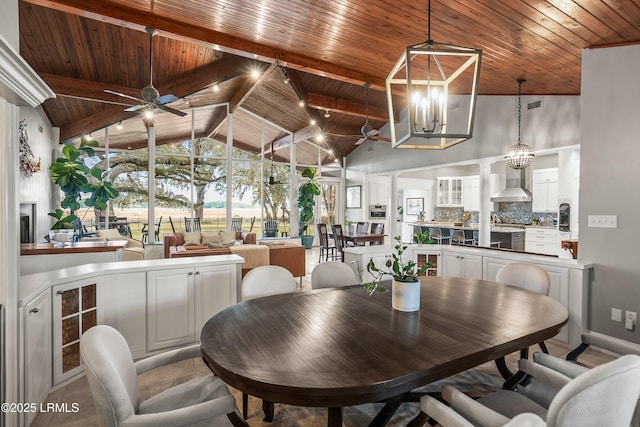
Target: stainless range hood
{"type": "Point", "coordinates": [513, 193]}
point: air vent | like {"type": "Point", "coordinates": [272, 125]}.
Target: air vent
{"type": "Point", "coordinates": [454, 106]}
{"type": "Point", "coordinates": [534, 104]}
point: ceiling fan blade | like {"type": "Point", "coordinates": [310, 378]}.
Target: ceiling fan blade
{"type": "Point", "coordinates": [123, 95]}
{"type": "Point", "coordinates": [360, 141]}
{"type": "Point", "coordinates": [166, 99]}
{"type": "Point", "coordinates": [135, 107]}
{"type": "Point", "coordinates": [171, 110]}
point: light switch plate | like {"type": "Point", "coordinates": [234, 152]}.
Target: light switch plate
{"type": "Point", "coordinates": [616, 315]}
{"type": "Point", "coordinates": [603, 221]}
{"type": "Point", "coordinates": [630, 320]}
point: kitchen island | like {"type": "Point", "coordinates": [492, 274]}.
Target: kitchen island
{"type": "Point", "coordinates": [502, 236]}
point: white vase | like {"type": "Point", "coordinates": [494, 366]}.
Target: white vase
{"type": "Point", "coordinates": [405, 296]}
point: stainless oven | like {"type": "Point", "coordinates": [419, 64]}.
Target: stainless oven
{"type": "Point", "coordinates": [378, 212]}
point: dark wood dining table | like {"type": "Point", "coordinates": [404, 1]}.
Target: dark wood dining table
{"type": "Point", "coordinates": [340, 347]}
{"type": "Point", "coordinates": [356, 237]}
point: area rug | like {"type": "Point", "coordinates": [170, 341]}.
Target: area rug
{"type": "Point", "coordinates": [475, 382]}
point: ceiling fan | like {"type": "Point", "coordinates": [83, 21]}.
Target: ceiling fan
{"type": "Point", "coordinates": [367, 131]}
{"type": "Point", "coordinates": [272, 178]}
{"type": "Point", "coordinates": [151, 98]}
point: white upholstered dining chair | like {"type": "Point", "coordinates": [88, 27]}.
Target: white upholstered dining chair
{"type": "Point", "coordinates": [603, 396]}
{"type": "Point", "coordinates": [112, 377]}
{"type": "Point", "coordinates": [267, 280]}
{"type": "Point", "coordinates": [526, 276]}
{"type": "Point", "coordinates": [263, 281]}
{"type": "Point", "coordinates": [332, 274]}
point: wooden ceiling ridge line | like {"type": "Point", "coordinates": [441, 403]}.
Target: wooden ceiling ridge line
{"type": "Point", "coordinates": [184, 86]}
{"type": "Point", "coordinates": [128, 17]}
{"type": "Point", "coordinates": [345, 106]}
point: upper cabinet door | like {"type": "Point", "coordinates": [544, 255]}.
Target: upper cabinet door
{"type": "Point", "coordinates": [450, 191]}
{"type": "Point", "coordinates": [545, 190]}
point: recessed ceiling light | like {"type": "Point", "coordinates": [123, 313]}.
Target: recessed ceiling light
{"type": "Point", "coordinates": [301, 103]}
{"type": "Point", "coordinates": [319, 137]}
{"type": "Point", "coordinates": [255, 74]}
{"type": "Point", "coordinates": [313, 122]}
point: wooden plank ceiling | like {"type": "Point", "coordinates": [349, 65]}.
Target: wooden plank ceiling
{"type": "Point", "coordinates": [321, 52]}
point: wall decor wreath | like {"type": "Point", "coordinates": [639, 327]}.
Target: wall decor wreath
{"type": "Point", "coordinates": [28, 164]}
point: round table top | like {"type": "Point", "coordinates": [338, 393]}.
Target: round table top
{"type": "Point", "coordinates": [340, 347]}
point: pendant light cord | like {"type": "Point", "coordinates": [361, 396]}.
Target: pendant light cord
{"type": "Point", "coordinates": [520, 81]}
{"type": "Point", "coordinates": [429, 21]}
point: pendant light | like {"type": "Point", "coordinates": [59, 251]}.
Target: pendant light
{"type": "Point", "coordinates": [520, 155]}
{"type": "Point", "coordinates": [431, 94]}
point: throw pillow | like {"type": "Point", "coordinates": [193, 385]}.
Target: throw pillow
{"type": "Point", "coordinates": [191, 239]}
{"type": "Point", "coordinates": [210, 237]}
{"type": "Point", "coordinates": [228, 236]}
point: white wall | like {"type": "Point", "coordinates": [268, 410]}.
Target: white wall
{"type": "Point", "coordinates": [38, 187]}
{"type": "Point", "coordinates": [9, 23]}
{"type": "Point", "coordinates": [555, 124]}
{"type": "Point", "coordinates": [609, 182]}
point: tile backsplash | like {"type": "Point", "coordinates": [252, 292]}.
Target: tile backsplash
{"type": "Point", "coordinates": [507, 213]}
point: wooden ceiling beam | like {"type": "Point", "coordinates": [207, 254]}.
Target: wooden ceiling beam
{"type": "Point", "coordinates": [86, 89]}
{"type": "Point", "coordinates": [182, 87]}
{"type": "Point", "coordinates": [129, 17]}
{"type": "Point", "coordinates": [345, 106]}
{"type": "Point", "coordinates": [247, 89]}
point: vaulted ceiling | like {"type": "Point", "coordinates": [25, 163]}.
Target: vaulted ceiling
{"type": "Point", "coordinates": [321, 52]}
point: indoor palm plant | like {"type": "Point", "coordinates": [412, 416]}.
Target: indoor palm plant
{"type": "Point", "coordinates": [405, 278]}
{"type": "Point", "coordinates": [75, 178]}
{"type": "Point", "coordinates": [306, 202]}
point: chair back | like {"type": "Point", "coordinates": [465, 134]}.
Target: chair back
{"type": "Point", "coordinates": [603, 396]}
{"type": "Point", "coordinates": [267, 280]}
{"type": "Point", "coordinates": [158, 227]}
{"type": "Point", "coordinates": [331, 274]}
{"type": "Point", "coordinates": [111, 374]}
{"type": "Point", "coordinates": [524, 275]}
{"type": "Point", "coordinates": [377, 227]}
{"type": "Point", "coordinates": [270, 228]}
{"type": "Point", "coordinates": [323, 235]}
{"type": "Point", "coordinates": [173, 229]}
{"type": "Point", "coordinates": [253, 219]}
{"type": "Point", "coordinates": [435, 233]}
{"type": "Point", "coordinates": [192, 224]}
{"type": "Point", "coordinates": [362, 227]}
{"type": "Point", "coordinates": [236, 224]}
{"type": "Point", "coordinates": [338, 236]}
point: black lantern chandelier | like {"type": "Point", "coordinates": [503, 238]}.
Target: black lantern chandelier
{"type": "Point", "coordinates": [431, 94]}
{"type": "Point", "coordinates": [520, 155]}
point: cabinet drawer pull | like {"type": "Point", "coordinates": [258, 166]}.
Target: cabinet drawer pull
{"type": "Point", "coordinates": [60, 292]}
{"type": "Point", "coordinates": [34, 310]}
{"type": "Point", "coordinates": [197, 272]}
{"type": "Point", "coordinates": [190, 273]}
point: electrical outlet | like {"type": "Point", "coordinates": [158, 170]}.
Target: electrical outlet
{"type": "Point", "coordinates": [616, 315]}
{"type": "Point", "coordinates": [602, 221]}
{"type": "Point", "coordinates": [630, 320]}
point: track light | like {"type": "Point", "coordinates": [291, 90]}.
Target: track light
{"type": "Point", "coordinates": [319, 137]}
{"type": "Point", "coordinates": [119, 126]}
{"type": "Point", "coordinates": [216, 88]}
{"type": "Point", "coordinates": [313, 122]}
{"type": "Point", "coordinates": [326, 114]}
{"type": "Point", "coordinates": [255, 74]}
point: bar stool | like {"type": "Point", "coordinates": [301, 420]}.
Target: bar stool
{"type": "Point", "coordinates": [436, 234]}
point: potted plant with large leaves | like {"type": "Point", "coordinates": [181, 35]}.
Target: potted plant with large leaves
{"type": "Point", "coordinates": [306, 202]}
{"type": "Point", "coordinates": [74, 177]}
{"type": "Point", "coordinates": [405, 278]}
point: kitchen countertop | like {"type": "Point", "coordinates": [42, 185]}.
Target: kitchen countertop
{"type": "Point", "coordinates": [498, 228]}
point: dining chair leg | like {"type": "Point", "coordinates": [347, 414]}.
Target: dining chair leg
{"type": "Point", "coordinates": [543, 347]}
{"type": "Point", "coordinates": [245, 405]}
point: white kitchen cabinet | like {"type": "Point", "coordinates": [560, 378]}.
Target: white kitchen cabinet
{"type": "Point", "coordinates": [37, 351]}
{"type": "Point", "coordinates": [181, 300]}
{"type": "Point", "coordinates": [471, 193]}
{"type": "Point", "coordinates": [455, 264]}
{"type": "Point", "coordinates": [545, 190]}
{"type": "Point", "coordinates": [541, 240]}
{"type": "Point", "coordinates": [170, 308]}
{"type": "Point", "coordinates": [422, 255]}
{"type": "Point", "coordinates": [77, 306]}
{"type": "Point", "coordinates": [215, 289]}
{"type": "Point", "coordinates": [125, 308]}
{"type": "Point", "coordinates": [450, 191]}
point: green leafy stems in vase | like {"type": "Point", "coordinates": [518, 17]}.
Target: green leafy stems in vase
{"type": "Point", "coordinates": [396, 267]}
